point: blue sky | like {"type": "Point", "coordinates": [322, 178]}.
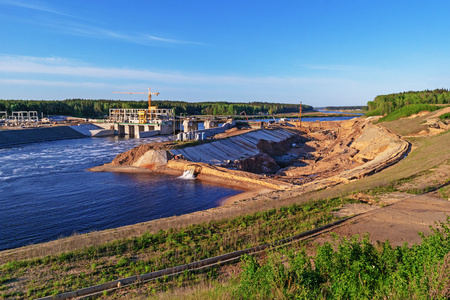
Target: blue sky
{"type": "Point", "coordinates": [318, 52]}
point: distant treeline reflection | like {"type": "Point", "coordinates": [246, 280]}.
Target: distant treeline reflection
{"type": "Point", "coordinates": [100, 108]}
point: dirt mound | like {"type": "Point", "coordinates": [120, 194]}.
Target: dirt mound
{"type": "Point", "coordinates": [336, 151]}
{"type": "Point", "coordinates": [130, 157]}
{"type": "Point", "coordinates": [260, 163]}
{"type": "Point", "coordinates": [279, 148]}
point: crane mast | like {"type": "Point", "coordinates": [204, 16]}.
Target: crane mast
{"type": "Point", "coordinates": [300, 116]}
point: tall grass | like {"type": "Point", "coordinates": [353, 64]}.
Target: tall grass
{"type": "Point", "coordinates": [409, 110]}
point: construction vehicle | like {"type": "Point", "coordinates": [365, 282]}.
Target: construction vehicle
{"type": "Point", "coordinates": [245, 115]}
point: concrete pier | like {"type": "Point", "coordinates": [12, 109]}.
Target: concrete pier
{"type": "Point", "coordinates": [144, 130]}
{"type": "Point", "coordinates": [190, 125]}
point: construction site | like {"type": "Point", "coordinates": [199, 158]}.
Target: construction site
{"type": "Point", "coordinates": [376, 180]}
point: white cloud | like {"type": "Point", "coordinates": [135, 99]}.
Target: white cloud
{"type": "Point", "coordinates": [62, 66]}
{"type": "Point", "coordinates": [339, 68]}
{"type": "Point", "coordinates": [71, 78]}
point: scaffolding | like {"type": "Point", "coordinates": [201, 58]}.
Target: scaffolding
{"type": "Point", "coordinates": [20, 117]}
{"type": "Point", "coordinates": [140, 116]}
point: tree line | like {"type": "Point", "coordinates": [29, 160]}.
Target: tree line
{"type": "Point", "coordinates": [100, 108]}
{"type": "Point", "coordinates": [385, 104]}
{"type": "Point", "coordinates": [352, 107]}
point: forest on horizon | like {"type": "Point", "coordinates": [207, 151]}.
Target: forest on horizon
{"type": "Point", "coordinates": [100, 108]}
{"type": "Point", "coordinates": [385, 104]}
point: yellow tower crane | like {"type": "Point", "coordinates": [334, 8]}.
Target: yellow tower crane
{"type": "Point", "coordinates": [149, 93]}
{"type": "Point", "coordinates": [143, 114]}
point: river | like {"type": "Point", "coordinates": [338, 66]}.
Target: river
{"type": "Point", "coordinates": [46, 192]}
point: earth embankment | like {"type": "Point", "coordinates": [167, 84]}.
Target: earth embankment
{"type": "Point", "coordinates": [313, 157]}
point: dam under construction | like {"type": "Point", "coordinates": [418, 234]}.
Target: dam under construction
{"type": "Point", "coordinates": [281, 157]}
{"type": "Point", "coordinates": [300, 177]}
{"type": "Point", "coordinates": [40, 176]}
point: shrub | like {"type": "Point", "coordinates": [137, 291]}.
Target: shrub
{"type": "Point", "coordinates": [444, 116]}
{"type": "Point", "coordinates": [355, 270]}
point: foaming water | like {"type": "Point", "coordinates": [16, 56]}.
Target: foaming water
{"type": "Point", "coordinates": [188, 174]}
{"type": "Point", "coordinates": [46, 192]}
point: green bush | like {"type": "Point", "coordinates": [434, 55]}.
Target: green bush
{"type": "Point", "coordinates": [444, 116]}
{"type": "Point", "coordinates": [357, 269]}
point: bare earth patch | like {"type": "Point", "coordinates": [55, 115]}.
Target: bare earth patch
{"type": "Point", "coordinates": [436, 176]}
{"type": "Point", "coordinates": [351, 209]}
{"type": "Point", "coordinates": [398, 223]}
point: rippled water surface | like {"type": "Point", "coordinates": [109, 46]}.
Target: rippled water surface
{"type": "Point", "coordinates": [46, 192]}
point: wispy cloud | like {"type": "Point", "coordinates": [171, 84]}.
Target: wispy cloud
{"type": "Point", "coordinates": [98, 32]}
{"type": "Point", "coordinates": [34, 5]}
{"type": "Point", "coordinates": [52, 83]}
{"type": "Point", "coordinates": [337, 68]}
{"type": "Point", "coordinates": [77, 79]}
{"type": "Point", "coordinates": [83, 29]}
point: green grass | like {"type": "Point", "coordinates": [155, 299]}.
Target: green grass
{"type": "Point", "coordinates": [373, 113]}
{"type": "Point", "coordinates": [409, 110]}
{"type": "Point", "coordinates": [352, 269]}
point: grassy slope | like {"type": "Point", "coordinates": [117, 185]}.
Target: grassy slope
{"type": "Point", "coordinates": [151, 252]}
{"type": "Point", "coordinates": [407, 111]}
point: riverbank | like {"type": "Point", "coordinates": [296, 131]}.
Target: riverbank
{"type": "Point", "coordinates": [248, 190]}
{"type": "Point", "coordinates": [10, 138]}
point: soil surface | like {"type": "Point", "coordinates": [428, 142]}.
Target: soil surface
{"type": "Point", "coordinates": [399, 222]}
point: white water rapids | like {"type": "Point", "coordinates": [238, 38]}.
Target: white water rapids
{"type": "Point", "coordinates": [188, 174]}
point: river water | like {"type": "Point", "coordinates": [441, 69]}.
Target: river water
{"type": "Point", "coordinates": [46, 192]}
